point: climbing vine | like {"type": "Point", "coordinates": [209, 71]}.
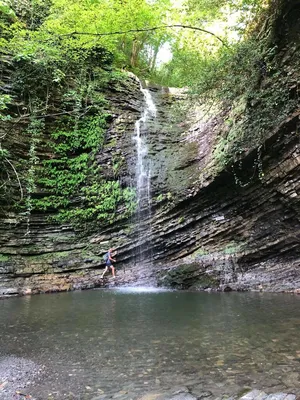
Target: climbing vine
{"type": "Point", "coordinates": [57, 91]}
{"type": "Point", "coordinates": [34, 131]}
{"type": "Point", "coordinates": [254, 115]}
{"type": "Point", "coordinates": [71, 180]}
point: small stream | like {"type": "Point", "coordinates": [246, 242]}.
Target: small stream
{"type": "Point", "coordinates": [134, 341]}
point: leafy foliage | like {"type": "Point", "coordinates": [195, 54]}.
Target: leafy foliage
{"type": "Point", "coordinates": [67, 105]}
{"type": "Point", "coordinates": [245, 77]}
{"type": "Point", "coordinates": [72, 49]}
{"type": "Point", "coordinates": [72, 180]}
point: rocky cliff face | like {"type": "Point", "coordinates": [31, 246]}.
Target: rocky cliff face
{"type": "Point", "coordinates": [213, 226]}
{"type": "Point", "coordinates": [41, 255]}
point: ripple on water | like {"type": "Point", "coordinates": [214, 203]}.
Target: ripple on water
{"type": "Point", "coordinates": [140, 289]}
{"type": "Point", "coordinates": [136, 339]}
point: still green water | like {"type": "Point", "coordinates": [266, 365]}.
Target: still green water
{"type": "Point", "coordinates": [136, 341]}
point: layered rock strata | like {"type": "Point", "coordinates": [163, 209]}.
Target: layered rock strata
{"type": "Point", "coordinates": [230, 236]}
{"type": "Point", "coordinates": [233, 226]}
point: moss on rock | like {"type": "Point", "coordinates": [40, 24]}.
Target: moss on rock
{"type": "Point", "coordinates": [187, 276]}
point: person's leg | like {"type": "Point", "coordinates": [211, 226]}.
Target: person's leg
{"type": "Point", "coordinates": [113, 271]}
{"type": "Point", "coordinates": [104, 272]}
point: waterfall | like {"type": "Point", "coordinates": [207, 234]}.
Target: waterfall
{"type": "Point", "coordinates": [143, 170]}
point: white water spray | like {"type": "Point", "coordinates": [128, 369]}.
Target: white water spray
{"type": "Point", "coordinates": [143, 167]}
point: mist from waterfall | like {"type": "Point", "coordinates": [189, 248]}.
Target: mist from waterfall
{"type": "Point", "coordinates": [143, 171]}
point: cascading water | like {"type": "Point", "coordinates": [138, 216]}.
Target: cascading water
{"type": "Point", "coordinates": [143, 172]}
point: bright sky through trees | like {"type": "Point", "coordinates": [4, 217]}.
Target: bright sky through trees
{"type": "Point", "coordinates": [143, 36]}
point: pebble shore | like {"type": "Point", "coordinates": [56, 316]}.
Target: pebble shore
{"type": "Point", "coordinates": [16, 374]}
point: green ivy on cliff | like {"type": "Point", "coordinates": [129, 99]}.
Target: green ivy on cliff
{"type": "Point", "coordinates": [57, 89]}
{"type": "Point", "coordinates": [257, 87]}
{"type": "Point", "coordinates": [34, 131]}
{"type": "Point", "coordinates": [245, 81]}
{"type": "Point", "coordinates": [71, 49]}
{"type": "Point", "coordinates": [72, 182]}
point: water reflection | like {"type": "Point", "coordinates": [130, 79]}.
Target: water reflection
{"type": "Point", "coordinates": [135, 339]}
{"type": "Point", "coordinates": [139, 289]}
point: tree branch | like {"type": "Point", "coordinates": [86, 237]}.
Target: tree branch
{"type": "Point", "coordinates": [155, 28]}
{"type": "Point", "coordinates": [14, 169]}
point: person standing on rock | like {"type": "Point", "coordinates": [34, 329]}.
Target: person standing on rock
{"type": "Point", "coordinates": [108, 262]}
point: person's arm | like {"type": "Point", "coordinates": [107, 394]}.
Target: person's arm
{"type": "Point", "coordinates": [110, 257]}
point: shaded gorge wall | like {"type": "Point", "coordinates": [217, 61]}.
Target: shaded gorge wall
{"type": "Point", "coordinates": [224, 210]}
{"type": "Point", "coordinates": [72, 195]}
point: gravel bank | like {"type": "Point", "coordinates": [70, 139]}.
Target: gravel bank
{"type": "Point", "coordinates": [16, 374]}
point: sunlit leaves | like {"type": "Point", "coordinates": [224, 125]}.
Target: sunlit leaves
{"type": "Point", "coordinates": [109, 16]}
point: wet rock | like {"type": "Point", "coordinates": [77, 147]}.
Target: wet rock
{"type": "Point", "coordinates": [182, 396]}
{"type": "Point", "coordinates": [292, 379]}
{"type": "Point", "coordinates": [201, 394]}
{"type": "Point", "coordinates": [151, 396]}
{"type": "Point", "coordinates": [181, 393]}
{"type": "Point", "coordinates": [260, 395]}
{"type": "Point", "coordinates": [5, 292]}
{"type": "Point", "coordinates": [254, 394]}
{"type": "Point", "coordinates": [187, 276]}
{"type": "Point", "coordinates": [279, 396]}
